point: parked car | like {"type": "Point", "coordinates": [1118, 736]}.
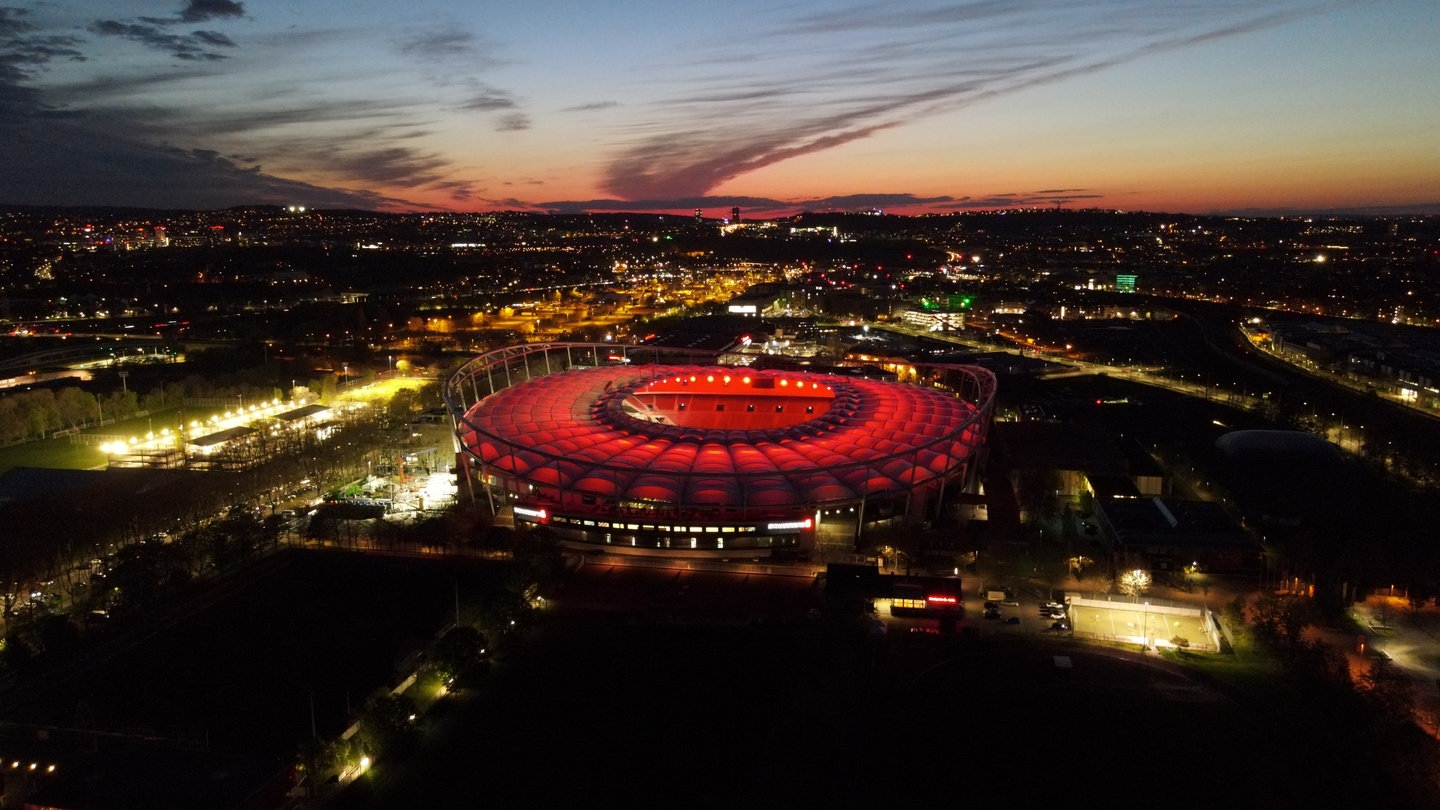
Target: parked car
{"type": "Point", "coordinates": [1013, 620]}
{"type": "Point", "coordinates": [992, 612]}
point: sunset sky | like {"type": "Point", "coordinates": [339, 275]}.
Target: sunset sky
{"type": "Point", "coordinates": [552, 105]}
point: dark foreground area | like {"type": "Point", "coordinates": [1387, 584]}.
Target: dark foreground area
{"type": "Point", "coordinates": [251, 664]}
{"type": "Point", "coordinates": [601, 710]}
{"type": "Point", "coordinates": [661, 699]}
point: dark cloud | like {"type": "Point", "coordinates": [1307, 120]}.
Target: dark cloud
{"type": "Point", "coordinates": [513, 122]}
{"type": "Point", "coordinates": [764, 206]}
{"type": "Point", "coordinates": [108, 86]}
{"type": "Point", "coordinates": [438, 44]}
{"type": "Point", "coordinates": [24, 53]}
{"type": "Point", "coordinates": [63, 155]}
{"type": "Point", "coordinates": [80, 162]}
{"type": "Point", "coordinates": [689, 164]}
{"type": "Point", "coordinates": [450, 54]}
{"type": "Point", "coordinates": [849, 202]}
{"type": "Point", "coordinates": [598, 105]}
{"type": "Point", "coordinates": [864, 19]}
{"type": "Point", "coordinates": [755, 205]}
{"type": "Point", "coordinates": [72, 144]}
{"type": "Point", "coordinates": [1029, 199]}
{"type": "Point", "coordinates": [488, 101]}
{"type": "Point", "coordinates": [459, 190]}
{"type": "Point", "coordinates": [391, 166]}
{"type": "Point", "coordinates": [214, 38]}
{"type": "Point", "coordinates": [195, 46]}
{"type": "Point", "coordinates": [202, 10]}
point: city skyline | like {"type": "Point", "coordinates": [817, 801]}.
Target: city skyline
{"type": "Point", "coordinates": [911, 107]}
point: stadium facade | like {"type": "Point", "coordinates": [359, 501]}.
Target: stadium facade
{"type": "Point", "coordinates": [664, 451]}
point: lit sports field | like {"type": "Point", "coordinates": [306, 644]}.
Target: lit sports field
{"type": "Point", "coordinates": [1135, 623]}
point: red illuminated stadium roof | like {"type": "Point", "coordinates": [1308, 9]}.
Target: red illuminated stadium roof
{"type": "Point", "coordinates": [718, 436]}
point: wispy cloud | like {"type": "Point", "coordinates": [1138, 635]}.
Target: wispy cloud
{"type": "Point", "coordinates": [453, 56]}
{"type": "Point", "coordinates": [765, 206]}
{"type": "Point", "coordinates": [488, 100]}
{"type": "Point", "coordinates": [64, 146]}
{"type": "Point", "coordinates": [513, 122]}
{"type": "Point", "coordinates": [591, 107]}
{"type": "Point", "coordinates": [197, 45]}
{"type": "Point", "coordinates": [454, 46]}
{"type": "Point", "coordinates": [881, 67]}
{"type": "Point", "coordinates": [24, 52]}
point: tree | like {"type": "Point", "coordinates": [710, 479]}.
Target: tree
{"type": "Point", "coordinates": [403, 404]}
{"type": "Point", "coordinates": [458, 650]}
{"type": "Point", "coordinates": [40, 414]}
{"type": "Point", "coordinates": [12, 421]}
{"type": "Point", "coordinates": [154, 400]}
{"type": "Point", "coordinates": [388, 724]}
{"type": "Point", "coordinates": [1281, 619]}
{"type": "Point", "coordinates": [1036, 490]}
{"type": "Point", "coordinates": [75, 406]}
{"type": "Point", "coordinates": [1134, 583]}
{"type": "Point", "coordinates": [1388, 689]}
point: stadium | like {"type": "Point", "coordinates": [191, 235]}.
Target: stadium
{"type": "Point", "coordinates": [662, 451]}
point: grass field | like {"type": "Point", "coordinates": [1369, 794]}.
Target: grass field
{"type": "Point", "coordinates": [65, 454]}
{"type": "Point", "coordinates": [52, 454]}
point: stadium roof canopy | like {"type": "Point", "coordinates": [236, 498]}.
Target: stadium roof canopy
{"type": "Point", "coordinates": [712, 436]}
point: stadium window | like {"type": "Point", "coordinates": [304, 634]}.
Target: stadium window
{"type": "Point", "coordinates": [750, 408]}
{"type": "Point", "coordinates": [682, 406]}
{"type": "Point", "coordinates": [779, 409]}
{"type": "Point", "coordinates": [719, 406]}
{"type": "Point", "coordinates": [809, 409]}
